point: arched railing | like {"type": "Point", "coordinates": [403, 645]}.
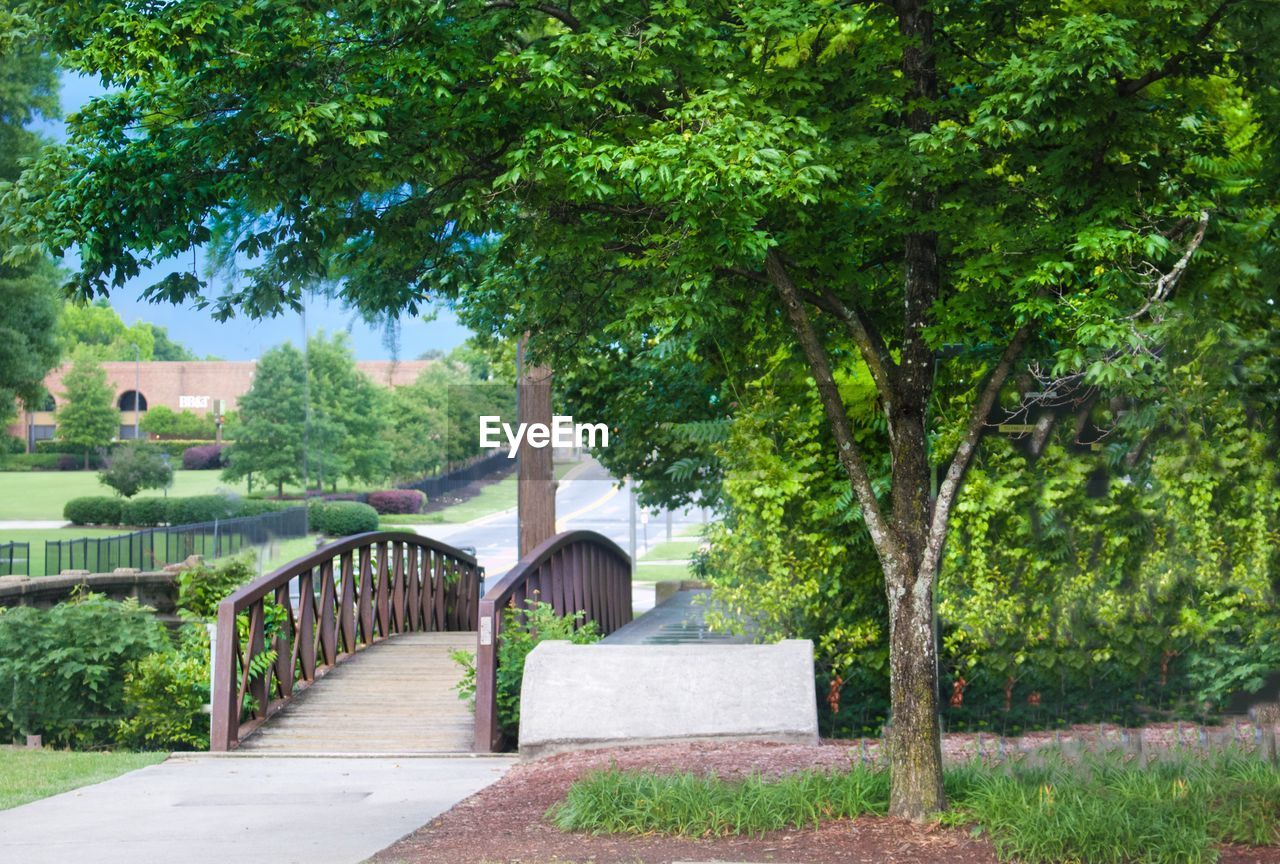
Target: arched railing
{"type": "Point", "coordinates": [278, 634]}
{"type": "Point", "coordinates": [577, 571]}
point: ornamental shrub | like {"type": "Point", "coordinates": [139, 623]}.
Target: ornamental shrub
{"type": "Point", "coordinates": [62, 670]}
{"type": "Point", "coordinates": [201, 508]}
{"type": "Point", "coordinates": [35, 462]}
{"type": "Point", "coordinates": [201, 589]}
{"type": "Point", "coordinates": [164, 697]}
{"type": "Point", "coordinates": [258, 506]}
{"type": "Point", "coordinates": [203, 457]}
{"type": "Point", "coordinates": [93, 510]}
{"type": "Point", "coordinates": [398, 501]}
{"type": "Point", "coordinates": [144, 512]}
{"type": "Point", "coordinates": [136, 466]}
{"type": "Point", "coordinates": [342, 518]}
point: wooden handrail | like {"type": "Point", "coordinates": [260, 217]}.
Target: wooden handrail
{"type": "Point", "coordinates": [576, 571]}
{"type": "Point", "coordinates": [351, 593]}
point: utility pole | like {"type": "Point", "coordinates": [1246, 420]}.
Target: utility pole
{"type": "Point", "coordinates": [137, 389]}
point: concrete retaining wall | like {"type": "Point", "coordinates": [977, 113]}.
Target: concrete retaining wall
{"type": "Point", "coordinates": [582, 696]}
{"type": "Point", "coordinates": [157, 590]}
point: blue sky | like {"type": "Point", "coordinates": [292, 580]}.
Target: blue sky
{"type": "Point", "coordinates": [244, 339]}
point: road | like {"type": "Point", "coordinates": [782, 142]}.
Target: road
{"type": "Point", "coordinates": [587, 498]}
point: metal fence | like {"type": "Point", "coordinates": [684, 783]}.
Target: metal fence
{"type": "Point", "coordinates": [15, 559]}
{"type": "Point", "coordinates": [434, 487]}
{"type": "Point", "coordinates": [153, 548]}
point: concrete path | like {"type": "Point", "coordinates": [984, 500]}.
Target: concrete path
{"type": "Point", "coordinates": [214, 810]}
{"type": "Point", "coordinates": [32, 524]}
{"type": "Point", "coordinates": [679, 620]}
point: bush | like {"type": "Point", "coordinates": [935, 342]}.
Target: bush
{"type": "Point", "coordinates": [520, 633]}
{"type": "Point", "coordinates": [258, 506]}
{"type": "Point", "coordinates": [164, 697]}
{"type": "Point", "coordinates": [201, 508]}
{"type": "Point", "coordinates": [341, 518]}
{"type": "Point", "coordinates": [136, 466]}
{"type": "Point", "coordinates": [203, 457]}
{"type": "Point", "coordinates": [34, 462]}
{"type": "Point", "coordinates": [67, 462]}
{"type": "Point", "coordinates": [145, 512]}
{"type": "Point", "coordinates": [62, 670]}
{"type": "Point", "coordinates": [12, 445]}
{"type": "Point", "coordinates": [201, 589]}
{"type": "Point", "coordinates": [398, 501]}
{"type": "Point", "coordinates": [93, 510]}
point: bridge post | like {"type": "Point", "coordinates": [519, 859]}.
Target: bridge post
{"type": "Point", "coordinates": [223, 699]}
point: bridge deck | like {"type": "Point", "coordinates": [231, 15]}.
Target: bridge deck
{"type": "Point", "coordinates": [395, 696]}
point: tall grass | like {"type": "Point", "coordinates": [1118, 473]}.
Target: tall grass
{"type": "Point", "coordinates": [1103, 809]}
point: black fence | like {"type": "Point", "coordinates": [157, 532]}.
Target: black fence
{"type": "Point", "coordinates": [435, 487]}
{"type": "Point", "coordinates": [15, 559]}
{"type": "Point", "coordinates": [153, 548]}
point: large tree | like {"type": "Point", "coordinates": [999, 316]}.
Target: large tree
{"type": "Point", "coordinates": [272, 438]}
{"type": "Point", "coordinates": [29, 313]}
{"type": "Point", "coordinates": [88, 417]}
{"type": "Point", "coordinates": [852, 186]}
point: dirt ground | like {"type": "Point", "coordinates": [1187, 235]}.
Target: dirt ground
{"type": "Point", "coordinates": [504, 824]}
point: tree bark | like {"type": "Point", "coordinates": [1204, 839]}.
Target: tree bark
{"type": "Point", "coordinates": [535, 472]}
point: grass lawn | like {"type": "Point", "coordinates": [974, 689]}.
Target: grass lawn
{"type": "Point", "coordinates": [662, 572]}
{"type": "Point", "coordinates": [29, 775]}
{"type": "Point", "coordinates": [41, 494]}
{"type": "Point", "coordinates": [493, 498]}
{"type": "Point", "coordinates": [676, 550]}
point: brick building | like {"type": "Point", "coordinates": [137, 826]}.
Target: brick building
{"type": "Point", "coordinates": [196, 385]}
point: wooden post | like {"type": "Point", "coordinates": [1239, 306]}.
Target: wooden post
{"type": "Point", "coordinates": [535, 482]}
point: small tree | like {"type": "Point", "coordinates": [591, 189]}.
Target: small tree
{"type": "Point", "coordinates": [272, 432]}
{"type": "Point", "coordinates": [88, 417]}
{"type": "Point", "coordinates": [137, 466]}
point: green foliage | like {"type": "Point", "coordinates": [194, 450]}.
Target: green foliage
{"type": "Point", "coordinates": [466, 686]}
{"type": "Point", "coordinates": [341, 518]}
{"type": "Point", "coordinates": [521, 631]}
{"type": "Point", "coordinates": [144, 512]}
{"type": "Point", "coordinates": [201, 508]}
{"type": "Point", "coordinates": [94, 510]}
{"type": "Point", "coordinates": [97, 331]}
{"type": "Point", "coordinates": [1103, 809]}
{"type": "Point", "coordinates": [270, 442]}
{"type": "Point", "coordinates": [164, 697]}
{"type": "Point", "coordinates": [136, 466]}
{"type": "Point", "coordinates": [33, 462]}
{"type": "Point", "coordinates": [201, 589]}
{"type": "Point", "coordinates": [87, 417]}
{"type": "Point", "coordinates": [348, 417]}
{"type": "Point", "coordinates": [636, 802]}
{"type": "Point", "coordinates": [62, 670]}
{"type": "Point", "coordinates": [164, 422]}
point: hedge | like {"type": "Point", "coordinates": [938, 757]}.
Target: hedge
{"type": "Point", "coordinates": [145, 512]}
{"type": "Point", "coordinates": [398, 501]}
{"type": "Point", "coordinates": [341, 518]}
{"type": "Point", "coordinates": [258, 506]}
{"type": "Point", "coordinates": [174, 447]}
{"type": "Point", "coordinates": [203, 457]}
{"type": "Point", "coordinates": [36, 462]}
{"type": "Point", "coordinates": [94, 510]}
{"type": "Point", "coordinates": [201, 508]}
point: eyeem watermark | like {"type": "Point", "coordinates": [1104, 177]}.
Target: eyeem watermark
{"type": "Point", "coordinates": [562, 432]}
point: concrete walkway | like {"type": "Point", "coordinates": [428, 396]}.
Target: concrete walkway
{"type": "Point", "coordinates": [32, 524]}
{"type": "Point", "coordinates": [213, 810]}
{"type": "Point", "coordinates": [681, 619]}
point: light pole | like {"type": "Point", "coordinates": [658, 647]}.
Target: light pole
{"type": "Point", "coordinates": [137, 389]}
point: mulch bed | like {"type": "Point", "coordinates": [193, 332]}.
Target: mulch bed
{"type": "Point", "coordinates": [505, 822]}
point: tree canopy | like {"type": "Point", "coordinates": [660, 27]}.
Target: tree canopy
{"type": "Point", "coordinates": [938, 216]}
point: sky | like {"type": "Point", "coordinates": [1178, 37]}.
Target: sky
{"type": "Point", "coordinates": [245, 339]}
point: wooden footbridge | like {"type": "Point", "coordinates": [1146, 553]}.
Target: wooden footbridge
{"type": "Point", "coordinates": [348, 649]}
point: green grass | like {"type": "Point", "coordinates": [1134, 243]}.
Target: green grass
{"type": "Point", "coordinates": [41, 494]}
{"type": "Point", "coordinates": [1102, 810]}
{"type": "Point", "coordinates": [675, 550]}
{"type": "Point", "coordinates": [29, 775]}
{"type": "Point", "coordinates": [663, 573]}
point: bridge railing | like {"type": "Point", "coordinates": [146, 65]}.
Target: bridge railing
{"type": "Point", "coordinates": [576, 571]}
{"type": "Point", "coordinates": [276, 635]}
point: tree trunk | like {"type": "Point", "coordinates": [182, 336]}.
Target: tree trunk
{"type": "Point", "coordinates": [535, 480]}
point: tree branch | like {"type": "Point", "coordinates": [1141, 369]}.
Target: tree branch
{"type": "Point", "coordinates": [561, 15]}
{"type": "Point", "coordinates": [833, 405]}
{"type": "Point", "coordinates": [1168, 281]}
{"type": "Point", "coordinates": [865, 335]}
{"type": "Point", "coordinates": [968, 446]}
{"type": "Point", "coordinates": [1130, 86]}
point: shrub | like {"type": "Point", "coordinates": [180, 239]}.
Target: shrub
{"type": "Point", "coordinates": [342, 518]}
{"type": "Point", "coordinates": [201, 508]}
{"type": "Point", "coordinates": [67, 462]}
{"type": "Point", "coordinates": [258, 506]}
{"type": "Point", "coordinates": [35, 462]}
{"type": "Point", "coordinates": [164, 697]}
{"type": "Point", "coordinates": [521, 631]}
{"type": "Point", "coordinates": [62, 669]}
{"type": "Point", "coordinates": [397, 501]}
{"type": "Point", "coordinates": [137, 466]}
{"type": "Point", "coordinates": [201, 589]}
{"type": "Point", "coordinates": [13, 445]}
{"type": "Point", "coordinates": [144, 512]}
{"type": "Point", "coordinates": [203, 457]}
{"type": "Point", "coordinates": [93, 510]}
